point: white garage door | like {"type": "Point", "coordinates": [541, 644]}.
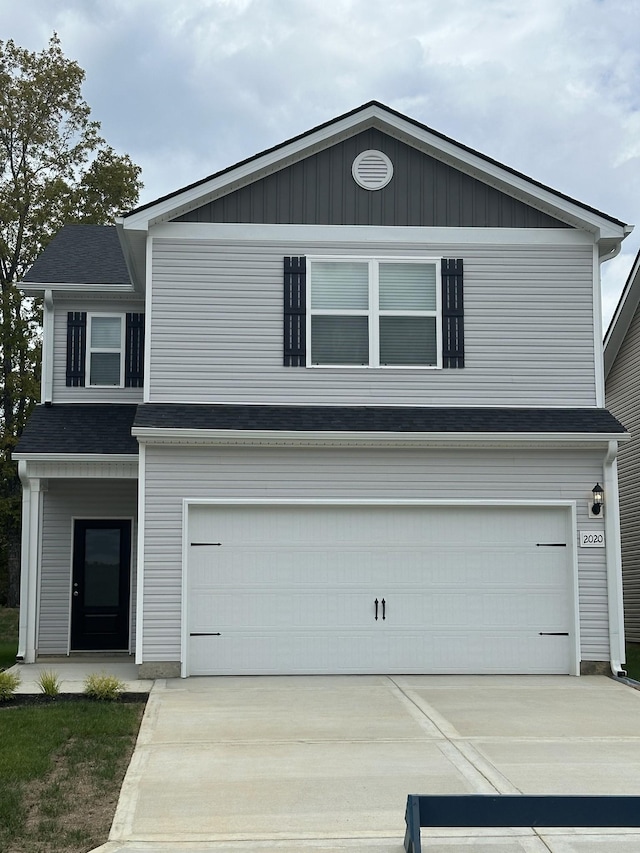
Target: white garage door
{"type": "Point", "coordinates": [297, 589]}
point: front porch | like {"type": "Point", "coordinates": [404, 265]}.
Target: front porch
{"type": "Point", "coordinates": [73, 671]}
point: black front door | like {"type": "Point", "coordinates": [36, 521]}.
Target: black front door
{"type": "Point", "coordinates": [100, 587]}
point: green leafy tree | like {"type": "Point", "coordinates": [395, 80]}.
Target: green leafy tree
{"type": "Point", "coordinates": [55, 169]}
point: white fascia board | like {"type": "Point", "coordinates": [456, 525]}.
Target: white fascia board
{"type": "Point", "coordinates": [154, 435]}
{"type": "Point", "coordinates": [505, 180]}
{"type": "Point", "coordinates": [72, 290]}
{"type": "Point", "coordinates": [80, 458]}
{"type": "Point", "coordinates": [133, 251]}
{"type": "Point", "coordinates": [446, 150]}
{"type": "Point", "coordinates": [233, 179]}
{"type": "Point", "coordinates": [335, 234]}
{"type": "Point", "coordinates": [622, 317]}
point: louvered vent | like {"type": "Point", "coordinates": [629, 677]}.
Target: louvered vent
{"type": "Point", "coordinates": [372, 170]}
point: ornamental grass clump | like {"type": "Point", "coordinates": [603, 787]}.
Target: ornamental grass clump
{"type": "Point", "coordinates": [103, 686]}
{"type": "Point", "coordinates": [9, 683]}
{"type": "Point", "coordinates": [49, 683]}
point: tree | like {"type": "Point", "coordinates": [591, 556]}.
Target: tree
{"type": "Point", "coordinates": [55, 169]}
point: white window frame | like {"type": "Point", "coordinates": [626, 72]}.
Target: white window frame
{"type": "Point", "coordinates": [119, 350]}
{"type": "Point", "coordinates": [374, 312]}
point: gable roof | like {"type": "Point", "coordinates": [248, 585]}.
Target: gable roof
{"type": "Point", "coordinates": [607, 230]}
{"type": "Point", "coordinates": [81, 255]}
{"type": "Point", "coordinates": [623, 316]}
{"type": "Point", "coordinates": [371, 114]}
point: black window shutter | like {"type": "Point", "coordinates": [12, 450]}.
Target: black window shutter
{"type": "Point", "coordinates": [295, 278]}
{"type": "Point", "coordinates": [76, 348]}
{"type": "Point", "coordinates": [134, 351]}
{"type": "Point", "coordinates": [452, 313]}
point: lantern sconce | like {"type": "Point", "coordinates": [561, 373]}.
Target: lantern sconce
{"type": "Point", "coordinates": [595, 508]}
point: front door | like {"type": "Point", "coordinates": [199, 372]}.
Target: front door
{"type": "Point", "coordinates": [100, 591]}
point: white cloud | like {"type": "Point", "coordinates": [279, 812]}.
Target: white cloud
{"type": "Point", "coordinates": [188, 87]}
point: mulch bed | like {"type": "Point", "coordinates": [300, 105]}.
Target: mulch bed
{"type": "Point", "coordinates": [40, 699]}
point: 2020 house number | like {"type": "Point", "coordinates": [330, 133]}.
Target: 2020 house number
{"type": "Point", "coordinates": [592, 539]}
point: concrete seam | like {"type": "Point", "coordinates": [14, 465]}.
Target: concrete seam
{"type": "Point", "coordinates": [484, 766]}
{"type": "Point", "coordinates": [441, 723]}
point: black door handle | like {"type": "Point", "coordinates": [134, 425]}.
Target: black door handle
{"type": "Point", "coordinates": [376, 604]}
{"type": "Point", "coordinates": [384, 604]}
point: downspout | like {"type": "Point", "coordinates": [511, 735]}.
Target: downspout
{"type": "Point", "coordinates": [614, 561]}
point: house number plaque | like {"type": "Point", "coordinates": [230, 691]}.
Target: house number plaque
{"type": "Point", "coordinates": [592, 538]}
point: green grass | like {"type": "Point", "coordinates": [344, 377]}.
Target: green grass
{"type": "Point", "coordinates": [8, 636]}
{"type": "Point", "coordinates": [633, 661]}
{"type": "Point", "coordinates": [61, 768]}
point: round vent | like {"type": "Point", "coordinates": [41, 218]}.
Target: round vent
{"type": "Point", "coordinates": [372, 170]}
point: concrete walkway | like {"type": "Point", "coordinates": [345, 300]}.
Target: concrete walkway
{"type": "Point", "coordinates": [325, 764]}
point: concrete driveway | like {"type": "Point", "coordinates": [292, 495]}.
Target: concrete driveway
{"type": "Point", "coordinates": [325, 763]}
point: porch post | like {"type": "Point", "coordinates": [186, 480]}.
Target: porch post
{"type": "Point", "coordinates": [30, 559]}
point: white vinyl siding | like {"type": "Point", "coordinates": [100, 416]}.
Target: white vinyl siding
{"type": "Point", "coordinates": [217, 328]}
{"type": "Point", "coordinates": [113, 394]}
{"type": "Point", "coordinates": [174, 473]}
{"type": "Point", "coordinates": [63, 501]}
{"type": "Point", "coordinates": [623, 400]}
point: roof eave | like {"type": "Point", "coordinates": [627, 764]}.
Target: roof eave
{"type": "Point", "coordinates": [171, 435]}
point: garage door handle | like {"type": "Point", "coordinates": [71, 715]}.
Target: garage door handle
{"type": "Point", "coordinates": [554, 634]}
{"type": "Point", "coordinates": [376, 606]}
{"type": "Point", "coordinates": [384, 604]}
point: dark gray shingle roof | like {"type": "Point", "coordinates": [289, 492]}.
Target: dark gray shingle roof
{"type": "Point", "coordinates": [376, 419]}
{"type": "Point", "coordinates": [81, 254]}
{"type": "Point", "coordinates": [80, 428]}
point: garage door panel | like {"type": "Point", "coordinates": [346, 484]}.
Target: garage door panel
{"type": "Point", "coordinates": [292, 589]}
{"type": "Point", "coordinates": [334, 566]}
{"type": "Point", "coordinates": [446, 652]}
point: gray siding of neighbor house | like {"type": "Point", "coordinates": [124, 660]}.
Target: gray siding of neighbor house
{"type": "Point", "coordinates": [217, 328]}
{"type": "Point", "coordinates": [623, 400]}
{"type": "Point", "coordinates": [320, 190]}
{"type": "Point", "coordinates": [62, 394]}
{"type": "Point", "coordinates": [174, 473]}
{"type": "Point", "coordinates": [63, 501]}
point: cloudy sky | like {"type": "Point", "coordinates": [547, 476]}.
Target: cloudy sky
{"type": "Point", "coordinates": [187, 87]}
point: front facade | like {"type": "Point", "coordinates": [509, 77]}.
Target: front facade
{"type": "Point", "coordinates": [338, 409]}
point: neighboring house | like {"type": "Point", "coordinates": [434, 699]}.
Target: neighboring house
{"type": "Point", "coordinates": [336, 409]}
{"type": "Point", "coordinates": [622, 376]}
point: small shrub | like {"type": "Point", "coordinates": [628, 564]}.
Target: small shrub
{"type": "Point", "coordinates": [49, 683]}
{"type": "Point", "coordinates": [103, 686]}
{"type": "Point", "coordinates": [9, 683]}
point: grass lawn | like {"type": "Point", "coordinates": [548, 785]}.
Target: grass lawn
{"type": "Point", "coordinates": [8, 636]}
{"type": "Point", "coordinates": [61, 769]}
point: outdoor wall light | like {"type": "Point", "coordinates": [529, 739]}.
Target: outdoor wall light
{"type": "Point", "coordinates": [598, 499]}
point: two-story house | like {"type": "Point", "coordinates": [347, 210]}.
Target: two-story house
{"type": "Point", "coordinates": [336, 409]}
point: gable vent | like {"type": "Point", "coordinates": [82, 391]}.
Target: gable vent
{"type": "Point", "coordinates": [372, 170]}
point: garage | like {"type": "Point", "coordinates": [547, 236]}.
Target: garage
{"type": "Point", "coordinates": [319, 588]}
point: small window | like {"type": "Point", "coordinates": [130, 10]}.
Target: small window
{"type": "Point", "coordinates": [381, 312]}
{"type": "Point", "coordinates": [104, 353]}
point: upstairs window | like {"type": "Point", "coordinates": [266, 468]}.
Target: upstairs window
{"type": "Point", "coordinates": [374, 312]}
{"type": "Point", "coordinates": [104, 353]}
{"type": "Point", "coordinates": [105, 350]}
